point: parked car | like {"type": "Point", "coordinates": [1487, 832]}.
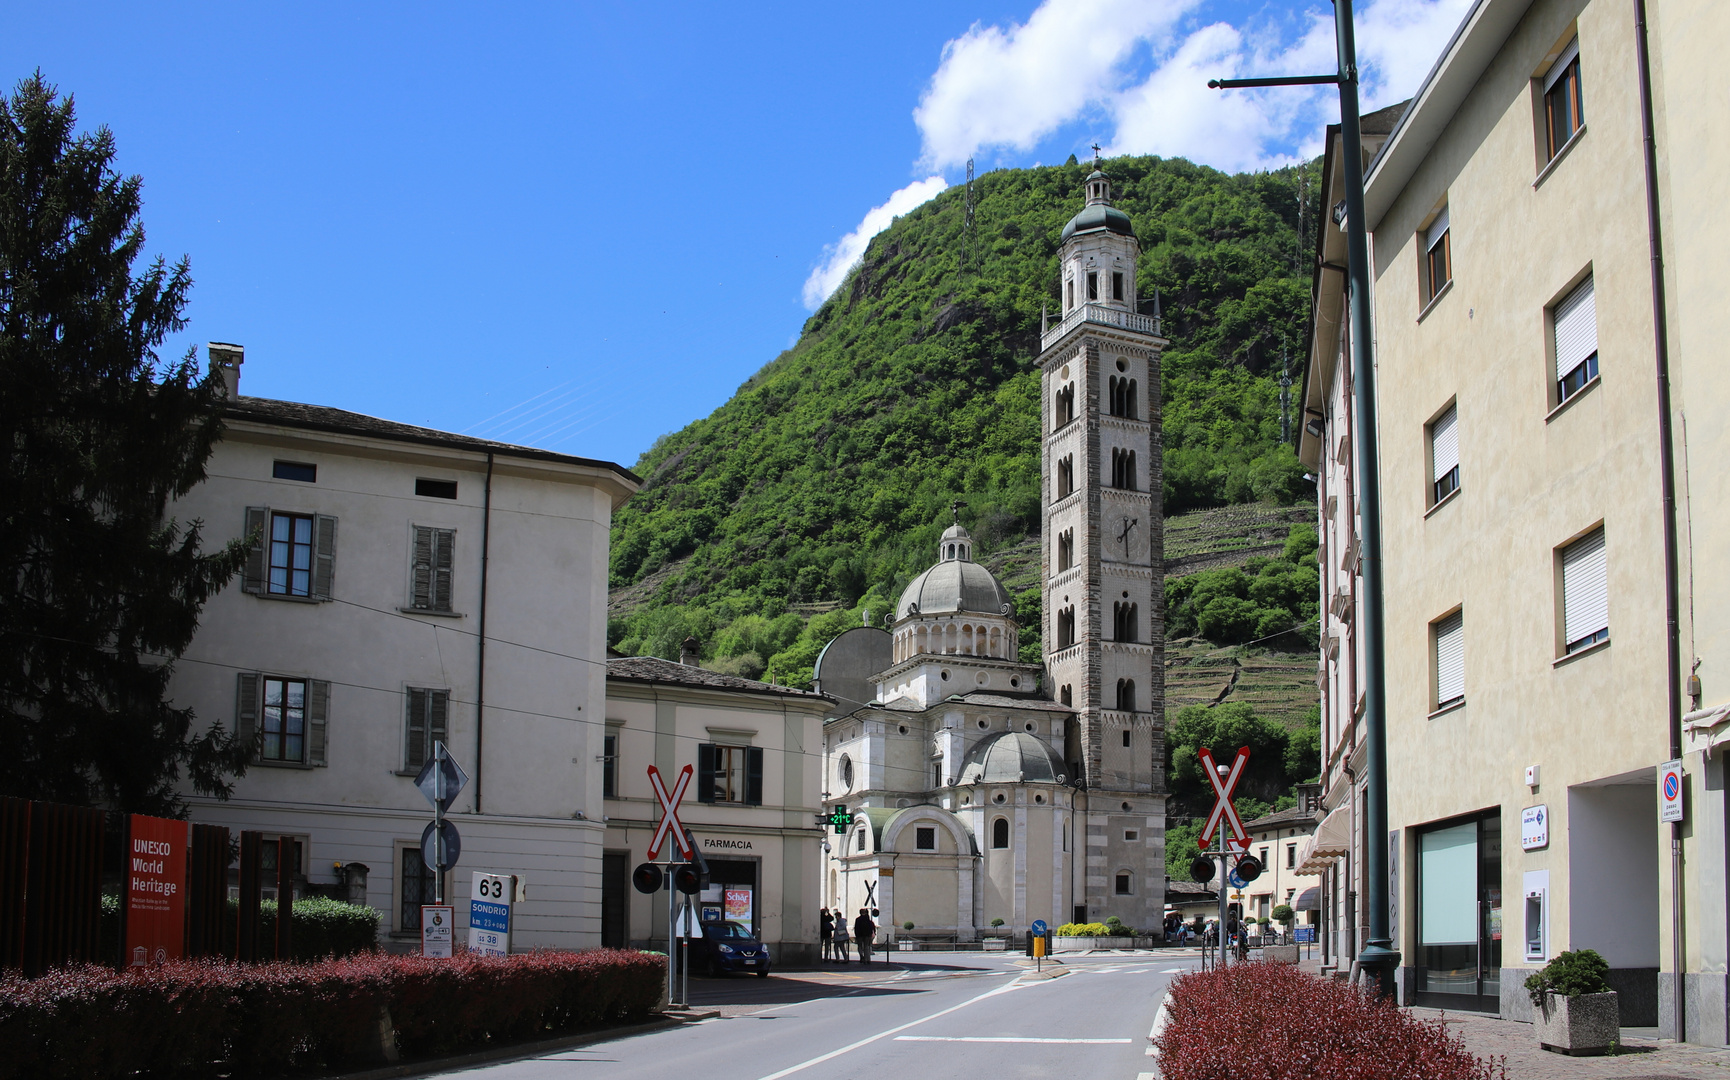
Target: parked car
{"type": "Point", "coordinates": [730, 946]}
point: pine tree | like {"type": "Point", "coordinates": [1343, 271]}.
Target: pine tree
{"type": "Point", "coordinates": [99, 591]}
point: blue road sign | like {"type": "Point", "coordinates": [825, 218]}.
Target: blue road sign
{"type": "Point", "coordinates": [1304, 935]}
{"type": "Point", "coordinates": [1039, 926]}
{"type": "Point", "coordinates": [441, 778]}
{"type": "Point", "coordinates": [485, 915]}
{"type": "Point", "coordinates": [453, 846]}
{"type": "Point", "coordinates": [1236, 882]}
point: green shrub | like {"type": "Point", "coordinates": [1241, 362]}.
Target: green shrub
{"type": "Point", "coordinates": [908, 925]}
{"type": "Point", "coordinates": [1089, 929]}
{"type": "Point", "coordinates": [996, 922]}
{"type": "Point", "coordinates": [1572, 974]}
{"type": "Point", "coordinates": [1282, 913]}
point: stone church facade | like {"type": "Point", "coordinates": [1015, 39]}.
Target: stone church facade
{"type": "Point", "coordinates": [983, 788]}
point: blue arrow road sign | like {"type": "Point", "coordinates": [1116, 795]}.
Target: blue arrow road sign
{"type": "Point", "coordinates": [1236, 882]}
{"type": "Point", "coordinates": [1039, 926]}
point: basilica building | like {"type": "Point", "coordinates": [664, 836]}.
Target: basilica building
{"type": "Point", "coordinates": [983, 788]}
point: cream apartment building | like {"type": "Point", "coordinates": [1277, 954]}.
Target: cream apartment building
{"type": "Point", "coordinates": [1528, 672]}
{"type": "Point", "coordinates": [1333, 856]}
{"type": "Point", "coordinates": [410, 586]}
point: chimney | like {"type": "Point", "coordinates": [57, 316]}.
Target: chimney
{"type": "Point", "coordinates": [225, 360]}
{"type": "Point", "coordinates": [688, 652]}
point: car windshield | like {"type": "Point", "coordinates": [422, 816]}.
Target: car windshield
{"type": "Point", "coordinates": [730, 930]}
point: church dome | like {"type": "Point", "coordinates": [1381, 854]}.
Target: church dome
{"type": "Point", "coordinates": [956, 583]}
{"type": "Point", "coordinates": [1098, 213]}
{"type": "Point", "coordinates": [1011, 757]}
{"type": "Point", "coordinates": [1098, 216]}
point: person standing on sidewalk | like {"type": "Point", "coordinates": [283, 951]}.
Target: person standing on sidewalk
{"type": "Point", "coordinates": [841, 936]}
{"type": "Point", "coordinates": [864, 930]}
{"type": "Point", "coordinates": [826, 933]}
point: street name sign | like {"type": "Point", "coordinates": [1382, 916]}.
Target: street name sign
{"type": "Point", "coordinates": [670, 825]}
{"type": "Point", "coordinates": [1670, 791]}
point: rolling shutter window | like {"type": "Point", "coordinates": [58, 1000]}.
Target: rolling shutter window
{"type": "Point", "coordinates": [252, 578]}
{"type": "Point", "coordinates": [246, 711]}
{"type": "Point", "coordinates": [324, 552]}
{"type": "Point", "coordinates": [753, 776]}
{"type": "Point", "coordinates": [1450, 637]}
{"type": "Point", "coordinates": [1585, 599]}
{"type": "Point", "coordinates": [1560, 67]}
{"type": "Point", "coordinates": [1445, 444]}
{"type": "Point", "coordinates": [317, 721]}
{"type": "Point", "coordinates": [1576, 328]}
{"type": "Point", "coordinates": [706, 772]}
{"type": "Point", "coordinates": [1438, 229]}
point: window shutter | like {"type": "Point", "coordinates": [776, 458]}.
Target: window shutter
{"type": "Point", "coordinates": [423, 559]}
{"type": "Point", "coordinates": [1450, 643]}
{"type": "Point", "coordinates": [317, 721]}
{"type": "Point", "coordinates": [1576, 327]}
{"type": "Point", "coordinates": [705, 772]}
{"type": "Point", "coordinates": [417, 744]}
{"type": "Point", "coordinates": [438, 718]}
{"type": "Point", "coordinates": [1585, 600]}
{"type": "Point", "coordinates": [324, 556]}
{"type": "Point", "coordinates": [1438, 229]}
{"type": "Point", "coordinates": [754, 776]}
{"type": "Point", "coordinates": [443, 542]}
{"type": "Point", "coordinates": [1560, 67]}
{"type": "Point", "coordinates": [246, 711]}
{"type": "Point", "coordinates": [257, 524]}
{"type": "Point", "coordinates": [1445, 444]}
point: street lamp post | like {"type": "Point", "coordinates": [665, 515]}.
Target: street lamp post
{"type": "Point", "coordinates": [1379, 958]}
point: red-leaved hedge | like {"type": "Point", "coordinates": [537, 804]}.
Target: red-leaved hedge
{"type": "Point", "coordinates": [194, 1017]}
{"type": "Point", "coordinates": [1272, 1022]}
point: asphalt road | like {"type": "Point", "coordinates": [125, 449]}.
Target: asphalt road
{"type": "Point", "coordinates": [946, 1015]}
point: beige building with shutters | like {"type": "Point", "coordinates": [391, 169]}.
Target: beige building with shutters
{"type": "Point", "coordinates": [410, 586]}
{"type": "Point", "coordinates": [1520, 337]}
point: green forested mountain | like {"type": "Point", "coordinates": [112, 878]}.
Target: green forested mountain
{"type": "Point", "coordinates": [820, 488]}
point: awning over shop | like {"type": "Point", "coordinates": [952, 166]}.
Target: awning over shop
{"type": "Point", "coordinates": [1706, 729]}
{"type": "Point", "coordinates": [1309, 900]}
{"type": "Point", "coordinates": [1332, 839]}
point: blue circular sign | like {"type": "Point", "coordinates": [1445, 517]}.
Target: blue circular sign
{"type": "Point", "coordinates": [1671, 786]}
{"type": "Point", "coordinates": [1236, 881]}
{"type": "Point", "coordinates": [1039, 926]}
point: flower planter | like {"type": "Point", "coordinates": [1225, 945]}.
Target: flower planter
{"type": "Point", "coordinates": [994, 945]}
{"type": "Point", "coordinates": [907, 946]}
{"type": "Point", "coordinates": [1080, 944]}
{"type": "Point", "coordinates": [1588, 1024]}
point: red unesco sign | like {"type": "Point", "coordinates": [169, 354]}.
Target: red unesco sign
{"type": "Point", "coordinates": [155, 890]}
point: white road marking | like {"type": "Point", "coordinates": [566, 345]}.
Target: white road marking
{"type": "Point", "coordinates": [850, 1047]}
{"type": "Point", "coordinates": [1174, 971]}
{"type": "Point", "coordinates": [997, 1039]}
{"type": "Point", "coordinates": [1158, 1026]}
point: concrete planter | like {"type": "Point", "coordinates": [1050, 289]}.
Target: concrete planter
{"type": "Point", "coordinates": [994, 945]}
{"type": "Point", "coordinates": [1280, 954]}
{"type": "Point", "coordinates": [1588, 1024]}
{"type": "Point", "coordinates": [1080, 944]}
{"type": "Point", "coordinates": [907, 946]}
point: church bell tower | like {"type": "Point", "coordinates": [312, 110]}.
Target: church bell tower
{"type": "Point", "coordinates": [1103, 546]}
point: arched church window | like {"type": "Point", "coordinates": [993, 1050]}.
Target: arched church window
{"type": "Point", "coordinates": [1068, 294]}
{"type": "Point", "coordinates": [859, 840]}
{"type": "Point", "coordinates": [1123, 469]}
{"type": "Point", "coordinates": [1066, 695]}
{"type": "Point", "coordinates": [1065, 550]}
{"type": "Point", "coordinates": [1125, 622]}
{"type": "Point", "coordinates": [1065, 475]}
{"type": "Point", "coordinates": [1129, 401]}
{"type": "Point", "coordinates": [1066, 627]}
{"type": "Point", "coordinates": [1000, 833]}
{"type": "Point", "coordinates": [1125, 885]}
{"type": "Point", "coordinates": [1093, 285]}
{"type": "Point", "coordinates": [1126, 695]}
{"type": "Point", "coordinates": [1064, 407]}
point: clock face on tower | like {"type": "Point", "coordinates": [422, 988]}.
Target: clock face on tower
{"type": "Point", "coordinates": [1124, 535]}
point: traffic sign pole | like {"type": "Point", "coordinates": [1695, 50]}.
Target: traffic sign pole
{"type": "Point", "coordinates": [439, 821]}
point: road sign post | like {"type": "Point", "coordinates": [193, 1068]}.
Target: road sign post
{"type": "Point", "coordinates": [1223, 817]}
{"type": "Point", "coordinates": [490, 901]}
{"type": "Point", "coordinates": [1670, 791]}
{"type": "Point", "coordinates": [440, 780]}
{"type": "Point", "coordinates": [670, 825]}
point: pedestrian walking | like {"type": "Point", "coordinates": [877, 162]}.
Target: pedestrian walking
{"type": "Point", "coordinates": [826, 933]}
{"type": "Point", "coordinates": [864, 930]}
{"type": "Point", "coordinates": [841, 937]}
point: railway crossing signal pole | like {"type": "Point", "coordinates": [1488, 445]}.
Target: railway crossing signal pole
{"type": "Point", "coordinates": [1379, 957]}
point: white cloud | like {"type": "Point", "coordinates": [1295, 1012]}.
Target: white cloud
{"type": "Point", "coordinates": [1011, 87]}
{"type": "Point", "coordinates": [840, 257]}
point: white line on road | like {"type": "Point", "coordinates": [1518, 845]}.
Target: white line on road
{"type": "Point", "coordinates": [1174, 971]}
{"type": "Point", "coordinates": [850, 1047]}
{"type": "Point", "coordinates": [998, 1039]}
{"type": "Point", "coordinates": [1158, 1026]}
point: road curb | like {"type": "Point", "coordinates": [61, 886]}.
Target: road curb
{"type": "Point", "coordinates": [518, 1050]}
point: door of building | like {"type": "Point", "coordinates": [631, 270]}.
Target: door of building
{"type": "Point", "coordinates": [615, 900]}
{"type": "Point", "coordinates": [1459, 914]}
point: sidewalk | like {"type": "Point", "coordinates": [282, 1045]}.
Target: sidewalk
{"type": "Point", "coordinates": [1643, 1054]}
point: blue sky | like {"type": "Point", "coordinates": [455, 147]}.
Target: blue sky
{"type": "Point", "coordinates": [582, 226]}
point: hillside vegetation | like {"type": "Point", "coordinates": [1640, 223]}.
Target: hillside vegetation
{"type": "Point", "coordinates": [809, 499]}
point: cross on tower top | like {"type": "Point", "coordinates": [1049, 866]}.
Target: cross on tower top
{"type": "Point", "coordinates": [1096, 155]}
{"type": "Point", "coordinates": [955, 508]}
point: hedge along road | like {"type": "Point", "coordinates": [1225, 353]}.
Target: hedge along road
{"type": "Point", "coordinates": [946, 1015]}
